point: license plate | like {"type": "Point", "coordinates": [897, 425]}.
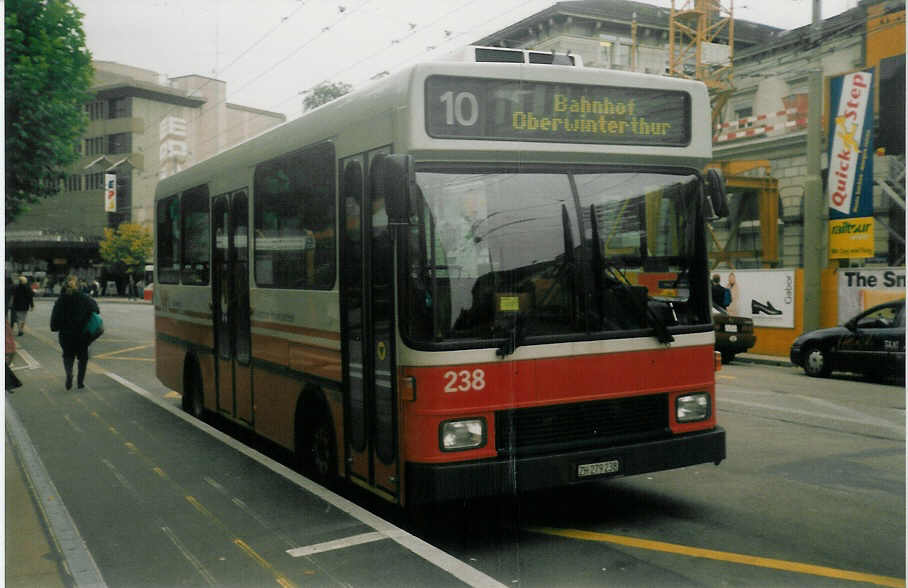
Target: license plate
{"type": "Point", "coordinates": [599, 468]}
{"type": "Point", "coordinates": [731, 328]}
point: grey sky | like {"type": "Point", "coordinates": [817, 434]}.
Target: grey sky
{"type": "Point", "coordinates": [269, 51]}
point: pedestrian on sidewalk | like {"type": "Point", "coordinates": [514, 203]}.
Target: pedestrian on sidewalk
{"type": "Point", "coordinates": [23, 301]}
{"type": "Point", "coordinates": [10, 288]}
{"type": "Point", "coordinates": [12, 382]}
{"type": "Point", "coordinates": [131, 288]}
{"type": "Point", "coordinates": [70, 315]}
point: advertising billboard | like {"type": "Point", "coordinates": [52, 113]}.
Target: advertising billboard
{"type": "Point", "coordinates": [766, 296]}
{"type": "Point", "coordinates": [849, 184]}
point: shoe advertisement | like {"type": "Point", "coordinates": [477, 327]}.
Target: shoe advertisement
{"type": "Point", "coordinates": [766, 296]}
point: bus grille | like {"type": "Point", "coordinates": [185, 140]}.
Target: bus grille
{"type": "Point", "coordinates": [589, 424]}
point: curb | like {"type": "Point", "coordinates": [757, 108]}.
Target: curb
{"type": "Point", "coordinates": [763, 360]}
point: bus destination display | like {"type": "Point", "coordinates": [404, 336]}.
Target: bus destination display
{"type": "Point", "coordinates": [513, 110]}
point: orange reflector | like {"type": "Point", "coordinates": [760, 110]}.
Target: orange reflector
{"type": "Point", "coordinates": [407, 388]}
{"type": "Point", "coordinates": [717, 361]}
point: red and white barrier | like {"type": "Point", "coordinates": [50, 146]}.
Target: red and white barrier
{"type": "Point", "coordinates": [761, 124]}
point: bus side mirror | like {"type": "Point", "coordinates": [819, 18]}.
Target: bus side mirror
{"type": "Point", "coordinates": [393, 176]}
{"type": "Point", "coordinates": [715, 186]}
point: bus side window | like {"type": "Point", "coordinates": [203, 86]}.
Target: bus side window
{"type": "Point", "coordinates": [295, 240]}
{"type": "Point", "coordinates": [195, 254]}
{"type": "Point", "coordinates": [168, 229]}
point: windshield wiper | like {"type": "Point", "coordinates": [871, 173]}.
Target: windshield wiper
{"type": "Point", "coordinates": [601, 265]}
{"type": "Point", "coordinates": [565, 265]}
{"type": "Point", "coordinates": [513, 341]}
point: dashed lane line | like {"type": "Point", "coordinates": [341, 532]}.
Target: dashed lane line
{"type": "Point", "coordinates": [117, 354]}
{"type": "Point", "coordinates": [726, 556]}
{"type": "Point", "coordinates": [444, 561]}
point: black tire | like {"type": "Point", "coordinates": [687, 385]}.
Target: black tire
{"type": "Point", "coordinates": [193, 401]}
{"type": "Point", "coordinates": [319, 451]}
{"type": "Point", "coordinates": [816, 363]}
{"type": "Point", "coordinates": [728, 357]}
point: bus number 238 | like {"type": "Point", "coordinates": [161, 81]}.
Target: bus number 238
{"type": "Point", "coordinates": [464, 380]}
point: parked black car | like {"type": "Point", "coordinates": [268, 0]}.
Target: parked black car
{"type": "Point", "coordinates": [871, 343]}
{"type": "Point", "coordinates": [734, 334]}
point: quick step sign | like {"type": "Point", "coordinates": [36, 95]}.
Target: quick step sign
{"type": "Point", "coordinates": [850, 180]}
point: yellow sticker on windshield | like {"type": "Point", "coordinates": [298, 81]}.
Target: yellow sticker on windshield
{"type": "Point", "coordinates": [509, 303]}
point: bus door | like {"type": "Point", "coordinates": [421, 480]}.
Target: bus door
{"type": "Point", "coordinates": [230, 303]}
{"type": "Point", "coordinates": [367, 290]}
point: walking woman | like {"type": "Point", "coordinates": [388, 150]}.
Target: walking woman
{"type": "Point", "coordinates": [23, 301]}
{"type": "Point", "coordinates": [70, 315]}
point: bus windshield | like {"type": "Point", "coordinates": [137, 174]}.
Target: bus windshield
{"type": "Point", "coordinates": [544, 254]}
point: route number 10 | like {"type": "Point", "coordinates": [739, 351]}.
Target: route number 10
{"type": "Point", "coordinates": [462, 108]}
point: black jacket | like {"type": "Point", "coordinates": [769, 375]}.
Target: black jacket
{"type": "Point", "coordinates": [23, 297]}
{"type": "Point", "coordinates": [71, 312]}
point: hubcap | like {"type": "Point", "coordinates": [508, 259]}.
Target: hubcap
{"type": "Point", "coordinates": [815, 361]}
{"type": "Point", "coordinates": [321, 451]}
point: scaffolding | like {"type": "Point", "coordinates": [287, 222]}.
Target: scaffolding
{"type": "Point", "coordinates": [701, 46]}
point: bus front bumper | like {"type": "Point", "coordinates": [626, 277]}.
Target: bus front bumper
{"type": "Point", "coordinates": [440, 482]}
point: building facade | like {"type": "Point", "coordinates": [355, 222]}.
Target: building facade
{"type": "Point", "coordinates": [141, 127]}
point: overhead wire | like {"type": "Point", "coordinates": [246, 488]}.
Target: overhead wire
{"type": "Point", "coordinates": [413, 31]}
{"type": "Point", "coordinates": [284, 20]}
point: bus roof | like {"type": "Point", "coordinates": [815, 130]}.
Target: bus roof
{"type": "Point", "coordinates": [395, 111]}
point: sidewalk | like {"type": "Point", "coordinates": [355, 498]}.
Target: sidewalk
{"type": "Point", "coordinates": [101, 299]}
{"type": "Point", "coordinates": [30, 558]}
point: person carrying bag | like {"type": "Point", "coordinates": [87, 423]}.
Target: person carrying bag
{"type": "Point", "coordinates": [72, 317]}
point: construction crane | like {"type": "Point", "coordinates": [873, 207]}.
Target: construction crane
{"type": "Point", "coordinates": [695, 27]}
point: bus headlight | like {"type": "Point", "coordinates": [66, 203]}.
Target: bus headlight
{"type": "Point", "coordinates": [462, 434]}
{"type": "Point", "coordinates": [692, 407]}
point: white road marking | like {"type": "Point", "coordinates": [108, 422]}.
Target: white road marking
{"type": "Point", "coordinates": [460, 570]}
{"type": "Point", "coordinates": [188, 555]}
{"type": "Point", "coordinates": [336, 544]}
{"type": "Point", "coordinates": [30, 362]}
{"type": "Point", "coordinates": [859, 418]}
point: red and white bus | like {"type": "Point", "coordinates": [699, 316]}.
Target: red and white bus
{"type": "Point", "coordinates": [469, 278]}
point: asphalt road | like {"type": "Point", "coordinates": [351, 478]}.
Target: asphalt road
{"type": "Point", "coordinates": [812, 492]}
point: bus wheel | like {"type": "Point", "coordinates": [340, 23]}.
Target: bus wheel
{"type": "Point", "coordinates": [319, 455]}
{"type": "Point", "coordinates": [193, 402]}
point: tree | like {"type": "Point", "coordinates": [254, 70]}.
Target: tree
{"type": "Point", "coordinates": [324, 93]}
{"type": "Point", "coordinates": [48, 73]}
{"type": "Point", "coordinates": [129, 245]}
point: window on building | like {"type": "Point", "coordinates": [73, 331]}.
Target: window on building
{"type": "Point", "coordinates": [94, 181]}
{"type": "Point", "coordinates": [744, 112]}
{"type": "Point", "coordinates": [294, 220]}
{"type": "Point", "coordinates": [124, 193]}
{"type": "Point", "coordinates": [119, 108]}
{"type": "Point", "coordinates": [74, 183]}
{"type": "Point", "coordinates": [167, 221]}
{"type": "Point", "coordinates": [615, 52]}
{"type": "Point", "coordinates": [119, 143]}
{"type": "Point", "coordinates": [195, 254]}
{"type": "Point", "coordinates": [95, 110]}
{"type": "Point", "coordinates": [94, 146]}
